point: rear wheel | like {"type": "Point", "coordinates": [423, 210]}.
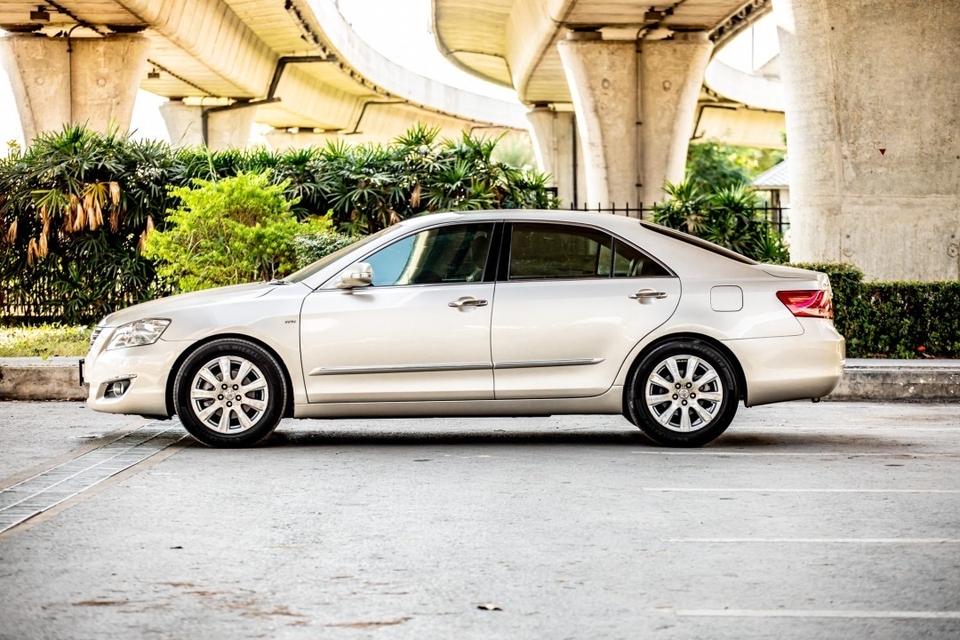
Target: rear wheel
{"type": "Point", "coordinates": [684, 393]}
{"type": "Point", "coordinates": [230, 393]}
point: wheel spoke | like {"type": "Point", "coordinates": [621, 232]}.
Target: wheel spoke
{"type": "Point", "coordinates": [256, 385]}
{"type": "Point", "coordinates": [243, 418]}
{"type": "Point", "coordinates": [259, 405]}
{"type": "Point", "coordinates": [224, 425]}
{"type": "Point", "coordinates": [207, 375]}
{"type": "Point", "coordinates": [674, 369]}
{"type": "Point", "coordinates": [664, 418]}
{"type": "Point", "coordinates": [703, 413]}
{"type": "Point", "coordinates": [712, 396]}
{"type": "Point", "coordinates": [245, 367]}
{"type": "Point", "coordinates": [225, 370]}
{"type": "Point", "coordinates": [692, 363]}
{"type": "Point", "coordinates": [685, 419]}
{"type": "Point", "coordinates": [200, 394]}
{"type": "Point", "coordinates": [660, 380]}
{"type": "Point", "coordinates": [658, 399]}
{"type": "Point", "coordinates": [707, 378]}
{"type": "Point", "coordinates": [208, 411]}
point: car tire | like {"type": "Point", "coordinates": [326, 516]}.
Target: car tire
{"type": "Point", "coordinates": [709, 396]}
{"type": "Point", "coordinates": [238, 411]}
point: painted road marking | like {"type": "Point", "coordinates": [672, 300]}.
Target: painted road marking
{"type": "Point", "coordinates": [816, 540]}
{"type": "Point", "coordinates": [40, 492]}
{"type": "Point", "coordinates": [814, 613]}
{"type": "Point", "coordinates": [783, 490]}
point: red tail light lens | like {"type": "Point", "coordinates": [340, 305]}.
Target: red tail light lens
{"type": "Point", "coordinates": [808, 303]}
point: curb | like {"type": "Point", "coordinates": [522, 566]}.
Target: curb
{"type": "Point", "coordinates": [883, 380]}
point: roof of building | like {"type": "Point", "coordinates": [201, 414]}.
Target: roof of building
{"type": "Point", "coordinates": [773, 178]}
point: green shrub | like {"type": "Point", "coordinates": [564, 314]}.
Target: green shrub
{"type": "Point", "coordinates": [894, 319]}
{"type": "Point", "coordinates": [311, 247]}
{"type": "Point", "coordinates": [44, 341]}
{"type": "Point", "coordinates": [729, 216]}
{"type": "Point", "coordinates": [230, 231]}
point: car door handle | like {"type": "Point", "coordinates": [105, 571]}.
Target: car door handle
{"type": "Point", "coordinates": [648, 294]}
{"type": "Point", "coordinates": [467, 301]}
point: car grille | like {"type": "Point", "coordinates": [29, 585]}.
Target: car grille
{"type": "Point", "coordinates": [96, 333]}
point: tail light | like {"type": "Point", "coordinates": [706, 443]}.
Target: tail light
{"type": "Point", "coordinates": [808, 303]}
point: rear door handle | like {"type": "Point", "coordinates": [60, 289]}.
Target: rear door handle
{"type": "Point", "coordinates": [648, 294]}
{"type": "Point", "coordinates": [467, 301]}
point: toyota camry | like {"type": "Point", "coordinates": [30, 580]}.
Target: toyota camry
{"type": "Point", "coordinates": [497, 313]}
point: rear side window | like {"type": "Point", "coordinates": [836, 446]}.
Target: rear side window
{"type": "Point", "coordinates": [540, 251]}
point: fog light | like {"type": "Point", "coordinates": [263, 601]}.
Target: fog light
{"type": "Point", "coordinates": [117, 388]}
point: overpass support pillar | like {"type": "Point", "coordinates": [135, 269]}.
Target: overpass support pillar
{"type": "Point", "coordinates": [635, 103]}
{"type": "Point", "coordinates": [554, 136]}
{"type": "Point", "coordinates": [224, 128]}
{"type": "Point", "coordinates": [58, 81]}
{"type": "Point", "coordinates": [873, 134]}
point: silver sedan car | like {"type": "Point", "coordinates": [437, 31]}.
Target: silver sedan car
{"type": "Point", "coordinates": [497, 313]}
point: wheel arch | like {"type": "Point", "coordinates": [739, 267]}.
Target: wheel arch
{"type": "Point", "coordinates": [671, 337]}
{"type": "Point", "coordinates": [287, 381]}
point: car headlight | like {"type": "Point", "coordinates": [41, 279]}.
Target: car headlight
{"type": "Point", "coordinates": [138, 334]}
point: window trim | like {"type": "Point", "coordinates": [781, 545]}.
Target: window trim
{"type": "Point", "coordinates": [487, 274]}
{"type": "Point", "coordinates": [503, 267]}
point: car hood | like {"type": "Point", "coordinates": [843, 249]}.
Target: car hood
{"type": "Point", "coordinates": [164, 306]}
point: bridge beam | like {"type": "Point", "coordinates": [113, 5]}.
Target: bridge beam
{"type": "Point", "coordinates": [635, 104]}
{"type": "Point", "coordinates": [873, 134]}
{"type": "Point", "coordinates": [554, 136]}
{"type": "Point", "coordinates": [224, 128]}
{"type": "Point", "coordinates": [58, 81]}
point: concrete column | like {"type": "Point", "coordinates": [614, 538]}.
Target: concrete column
{"type": "Point", "coordinates": [671, 75]}
{"type": "Point", "coordinates": [90, 81]}
{"type": "Point", "coordinates": [225, 129]}
{"type": "Point", "coordinates": [602, 76]}
{"type": "Point", "coordinates": [554, 143]}
{"type": "Point", "coordinates": [873, 133]}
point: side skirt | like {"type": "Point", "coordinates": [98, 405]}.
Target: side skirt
{"type": "Point", "coordinates": [610, 402]}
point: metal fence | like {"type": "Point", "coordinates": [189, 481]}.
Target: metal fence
{"type": "Point", "coordinates": [776, 217]}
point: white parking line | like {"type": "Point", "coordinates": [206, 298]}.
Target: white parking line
{"type": "Point", "coordinates": [801, 454]}
{"type": "Point", "coordinates": [815, 613]}
{"type": "Point", "coordinates": [890, 541]}
{"type": "Point", "coordinates": [784, 490]}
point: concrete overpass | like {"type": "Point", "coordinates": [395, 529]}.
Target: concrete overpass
{"type": "Point", "coordinates": [625, 75]}
{"type": "Point", "coordinates": [294, 65]}
{"type": "Point", "coordinates": [871, 90]}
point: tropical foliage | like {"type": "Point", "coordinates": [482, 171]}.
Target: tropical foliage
{"type": "Point", "coordinates": [729, 216]}
{"type": "Point", "coordinates": [238, 229]}
{"type": "Point", "coordinates": [76, 207]}
{"type": "Point", "coordinates": [713, 165]}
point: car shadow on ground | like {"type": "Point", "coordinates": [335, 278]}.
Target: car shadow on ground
{"type": "Point", "coordinates": [731, 441]}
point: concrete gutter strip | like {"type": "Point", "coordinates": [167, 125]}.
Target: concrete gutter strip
{"type": "Point", "coordinates": [884, 380]}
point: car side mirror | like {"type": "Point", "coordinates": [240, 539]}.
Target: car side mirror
{"type": "Point", "coordinates": [356, 276]}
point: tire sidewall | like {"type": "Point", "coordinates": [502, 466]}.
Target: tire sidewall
{"type": "Point", "coordinates": [641, 415]}
{"type": "Point", "coordinates": [267, 364]}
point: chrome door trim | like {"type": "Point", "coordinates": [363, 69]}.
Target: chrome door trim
{"type": "Point", "coordinates": [424, 368]}
{"type": "Point", "coordinates": [532, 364]}
{"type": "Point", "coordinates": [397, 368]}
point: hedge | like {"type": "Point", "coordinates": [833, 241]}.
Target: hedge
{"type": "Point", "coordinates": [900, 319]}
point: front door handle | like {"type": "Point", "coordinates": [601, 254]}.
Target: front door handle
{"type": "Point", "coordinates": [467, 301]}
{"type": "Point", "coordinates": [648, 294]}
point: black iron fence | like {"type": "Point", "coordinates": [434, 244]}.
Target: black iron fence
{"type": "Point", "coordinates": [777, 217]}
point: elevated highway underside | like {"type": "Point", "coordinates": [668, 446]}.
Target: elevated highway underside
{"type": "Point", "coordinates": [297, 65]}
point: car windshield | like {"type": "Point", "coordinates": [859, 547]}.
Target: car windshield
{"type": "Point", "coordinates": [314, 267]}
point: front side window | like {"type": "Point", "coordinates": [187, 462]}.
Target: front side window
{"type": "Point", "coordinates": [456, 253]}
{"type": "Point", "coordinates": [558, 251]}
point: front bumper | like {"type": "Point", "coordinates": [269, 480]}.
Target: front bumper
{"type": "Point", "coordinates": [801, 367]}
{"type": "Point", "coordinates": [147, 368]}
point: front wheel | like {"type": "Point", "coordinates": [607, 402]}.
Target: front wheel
{"type": "Point", "coordinates": [230, 393]}
{"type": "Point", "coordinates": [684, 393]}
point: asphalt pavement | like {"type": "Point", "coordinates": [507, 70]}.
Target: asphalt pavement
{"type": "Point", "coordinates": [804, 520]}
